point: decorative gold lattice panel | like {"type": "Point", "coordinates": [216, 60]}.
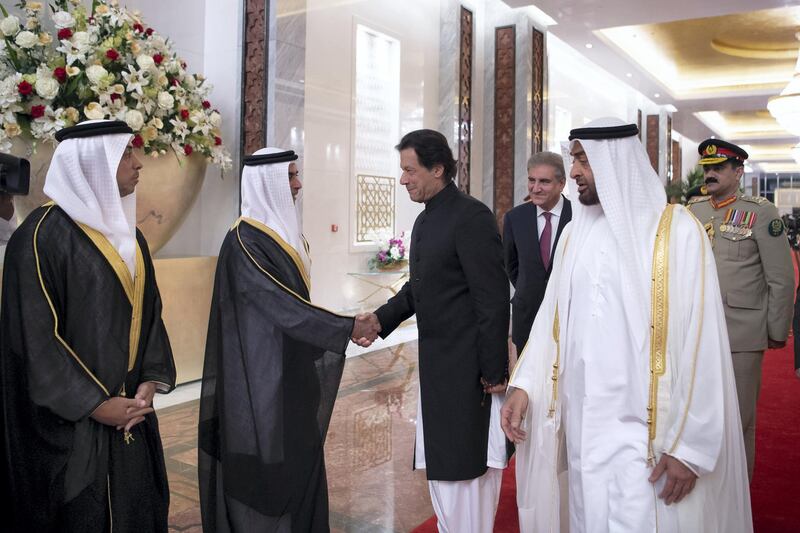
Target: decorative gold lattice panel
{"type": "Point", "coordinates": [374, 208]}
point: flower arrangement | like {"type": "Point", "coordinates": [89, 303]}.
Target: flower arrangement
{"type": "Point", "coordinates": [391, 254]}
{"type": "Point", "coordinates": [105, 63]}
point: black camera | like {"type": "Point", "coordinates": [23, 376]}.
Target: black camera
{"type": "Point", "coordinates": [15, 175]}
{"type": "Point", "coordinates": [792, 223]}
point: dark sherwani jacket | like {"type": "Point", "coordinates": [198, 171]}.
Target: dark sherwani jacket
{"type": "Point", "coordinates": [272, 369]}
{"type": "Point", "coordinates": [77, 329]}
{"type": "Point", "coordinates": [525, 267]}
{"type": "Point", "coordinates": [459, 292]}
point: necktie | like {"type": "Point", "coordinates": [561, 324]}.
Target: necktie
{"type": "Point", "coordinates": [544, 240]}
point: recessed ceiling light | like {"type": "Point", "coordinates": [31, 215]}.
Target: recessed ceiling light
{"type": "Point", "coordinates": [629, 75]}
{"type": "Point", "coordinates": [657, 95]}
{"type": "Point", "coordinates": [589, 45]}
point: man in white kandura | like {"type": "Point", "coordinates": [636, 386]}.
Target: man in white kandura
{"type": "Point", "coordinates": [623, 404]}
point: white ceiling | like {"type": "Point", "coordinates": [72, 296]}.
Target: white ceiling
{"type": "Point", "coordinates": [578, 19]}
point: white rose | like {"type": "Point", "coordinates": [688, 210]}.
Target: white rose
{"type": "Point", "coordinates": [9, 26]}
{"type": "Point", "coordinates": [26, 39]}
{"type": "Point", "coordinates": [134, 119]}
{"type": "Point", "coordinates": [96, 73]}
{"type": "Point", "coordinates": [80, 39]}
{"type": "Point", "coordinates": [197, 116]}
{"type": "Point", "coordinates": [190, 82]}
{"type": "Point", "coordinates": [215, 119]}
{"type": "Point", "coordinates": [145, 62]}
{"type": "Point", "coordinates": [47, 88]}
{"type": "Point", "coordinates": [165, 101]}
{"type": "Point", "coordinates": [63, 19]}
{"type": "Point", "coordinates": [94, 111]}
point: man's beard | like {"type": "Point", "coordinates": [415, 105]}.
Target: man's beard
{"type": "Point", "coordinates": [589, 197]}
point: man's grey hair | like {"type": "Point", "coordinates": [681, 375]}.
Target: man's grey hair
{"type": "Point", "coordinates": [551, 159]}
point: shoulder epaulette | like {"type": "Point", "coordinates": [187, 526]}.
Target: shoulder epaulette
{"type": "Point", "coordinates": [755, 199]}
{"type": "Point", "coordinates": [697, 199]}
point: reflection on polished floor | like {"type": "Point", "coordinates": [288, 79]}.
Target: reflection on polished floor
{"type": "Point", "coordinates": [368, 453]}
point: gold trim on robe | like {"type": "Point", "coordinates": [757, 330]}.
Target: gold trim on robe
{"type": "Point", "coordinates": [659, 319]}
{"type": "Point", "coordinates": [134, 287]}
{"type": "Point", "coordinates": [271, 277]}
{"type": "Point", "coordinates": [290, 251]}
{"type": "Point", "coordinates": [50, 206]}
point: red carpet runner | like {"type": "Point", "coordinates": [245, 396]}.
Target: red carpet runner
{"type": "Point", "coordinates": [776, 483]}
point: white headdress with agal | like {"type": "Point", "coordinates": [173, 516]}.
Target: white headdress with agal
{"type": "Point", "coordinates": [267, 198]}
{"type": "Point", "coordinates": [82, 180]}
{"type": "Point", "coordinates": [632, 197]}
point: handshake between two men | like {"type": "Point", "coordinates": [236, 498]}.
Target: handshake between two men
{"type": "Point", "coordinates": [365, 329]}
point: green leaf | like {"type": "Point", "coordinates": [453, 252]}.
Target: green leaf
{"type": "Point", "coordinates": [3, 9]}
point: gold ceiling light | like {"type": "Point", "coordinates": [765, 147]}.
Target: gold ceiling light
{"type": "Point", "coordinates": [786, 106]}
{"type": "Point", "coordinates": [751, 52]}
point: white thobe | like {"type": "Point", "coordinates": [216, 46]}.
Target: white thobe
{"type": "Point", "coordinates": [590, 432]}
{"type": "Point", "coordinates": [604, 403]}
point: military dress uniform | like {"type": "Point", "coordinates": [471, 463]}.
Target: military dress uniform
{"type": "Point", "coordinates": [756, 280]}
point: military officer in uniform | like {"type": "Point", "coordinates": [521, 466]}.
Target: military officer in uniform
{"type": "Point", "coordinates": [755, 271]}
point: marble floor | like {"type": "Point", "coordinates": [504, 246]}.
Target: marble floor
{"type": "Point", "coordinates": [368, 453]}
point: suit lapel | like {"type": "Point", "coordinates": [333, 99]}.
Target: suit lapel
{"type": "Point", "coordinates": [531, 235]}
{"type": "Point", "coordinates": [566, 216]}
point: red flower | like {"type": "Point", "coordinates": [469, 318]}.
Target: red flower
{"type": "Point", "coordinates": [115, 96]}
{"type": "Point", "coordinates": [64, 33]}
{"type": "Point", "coordinates": [175, 81]}
{"type": "Point", "coordinates": [148, 32]}
{"type": "Point", "coordinates": [138, 27]}
{"type": "Point", "coordinates": [137, 141]}
{"type": "Point", "coordinates": [217, 141]}
{"type": "Point", "coordinates": [37, 111]}
{"type": "Point", "coordinates": [24, 88]}
{"type": "Point", "coordinates": [184, 114]}
{"type": "Point", "coordinates": [112, 54]}
{"type": "Point", "coordinates": [158, 58]}
{"type": "Point", "coordinates": [60, 73]}
{"type": "Point", "coordinates": [187, 149]}
{"type": "Point", "coordinates": [206, 104]}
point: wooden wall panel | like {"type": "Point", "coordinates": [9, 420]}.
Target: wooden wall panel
{"type": "Point", "coordinates": [504, 97]}
{"type": "Point", "coordinates": [652, 140]}
{"type": "Point", "coordinates": [465, 99]}
{"type": "Point", "coordinates": [537, 89]}
{"type": "Point", "coordinates": [255, 76]}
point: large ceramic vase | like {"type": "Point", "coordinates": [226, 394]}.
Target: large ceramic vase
{"type": "Point", "coordinates": [166, 192]}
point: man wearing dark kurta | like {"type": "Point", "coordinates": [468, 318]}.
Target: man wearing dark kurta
{"type": "Point", "coordinates": [272, 369]}
{"type": "Point", "coordinates": [459, 291]}
{"type": "Point", "coordinates": [83, 350]}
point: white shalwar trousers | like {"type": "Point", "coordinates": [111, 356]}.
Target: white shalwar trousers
{"type": "Point", "coordinates": [468, 506]}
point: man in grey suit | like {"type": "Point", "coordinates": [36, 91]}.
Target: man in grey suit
{"type": "Point", "coordinates": [530, 235]}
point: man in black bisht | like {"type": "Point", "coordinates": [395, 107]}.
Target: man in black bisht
{"type": "Point", "coordinates": [272, 369]}
{"type": "Point", "coordinates": [83, 350]}
{"type": "Point", "coordinates": [459, 292]}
